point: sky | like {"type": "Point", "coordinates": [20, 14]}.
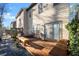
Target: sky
{"type": "Point", "coordinates": [12, 10]}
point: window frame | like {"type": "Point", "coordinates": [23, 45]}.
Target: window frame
{"type": "Point", "coordinates": [40, 8]}
{"type": "Point", "coordinates": [20, 24]}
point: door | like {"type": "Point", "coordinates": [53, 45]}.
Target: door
{"type": "Point", "coordinates": [52, 30]}
{"type": "Point", "coordinates": [49, 31]}
{"type": "Point", "coordinates": [56, 30]}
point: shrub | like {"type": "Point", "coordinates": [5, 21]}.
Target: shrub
{"type": "Point", "coordinates": [73, 28]}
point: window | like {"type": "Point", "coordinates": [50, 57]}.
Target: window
{"type": "Point", "coordinates": [72, 12]}
{"type": "Point", "coordinates": [33, 10]}
{"type": "Point", "coordinates": [29, 14]}
{"type": "Point", "coordinates": [20, 23]}
{"type": "Point", "coordinates": [45, 5]}
{"type": "Point", "coordinates": [40, 9]}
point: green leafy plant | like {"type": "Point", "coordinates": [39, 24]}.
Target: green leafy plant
{"type": "Point", "coordinates": [73, 28]}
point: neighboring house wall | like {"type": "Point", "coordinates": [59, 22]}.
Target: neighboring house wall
{"type": "Point", "coordinates": [19, 20]}
{"type": "Point", "coordinates": [27, 22]}
{"type": "Point", "coordinates": [23, 22]}
{"type": "Point", "coordinates": [30, 21]}
{"type": "Point", "coordinates": [74, 9]}
{"type": "Point", "coordinates": [49, 13]}
{"type": "Point", "coordinates": [13, 24]}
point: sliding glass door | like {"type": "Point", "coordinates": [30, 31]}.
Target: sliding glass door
{"type": "Point", "coordinates": [53, 30]}
{"type": "Point", "coordinates": [56, 31]}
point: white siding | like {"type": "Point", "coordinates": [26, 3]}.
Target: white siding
{"type": "Point", "coordinates": [52, 14]}
{"type": "Point", "coordinates": [26, 22]}
{"type": "Point", "coordinates": [20, 17]}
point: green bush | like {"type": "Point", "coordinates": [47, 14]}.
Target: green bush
{"type": "Point", "coordinates": [73, 28]}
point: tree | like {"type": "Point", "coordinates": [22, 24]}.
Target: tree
{"type": "Point", "coordinates": [2, 10]}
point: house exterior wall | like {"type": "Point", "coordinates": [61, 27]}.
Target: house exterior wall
{"type": "Point", "coordinates": [19, 21]}
{"type": "Point", "coordinates": [23, 21]}
{"type": "Point", "coordinates": [30, 25]}
{"type": "Point", "coordinates": [13, 24]}
{"type": "Point", "coordinates": [27, 23]}
{"type": "Point", "coordinates": [50, 14]}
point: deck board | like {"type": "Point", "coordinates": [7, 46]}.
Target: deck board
{"type": "Point", "coordinates": [44, 48]}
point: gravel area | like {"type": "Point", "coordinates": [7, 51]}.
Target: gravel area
{"type": "Point", "coordinates": [9, 47]}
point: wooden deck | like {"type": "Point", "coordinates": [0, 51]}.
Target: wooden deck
{"type": "Point", "coordinates": [40, 47]}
